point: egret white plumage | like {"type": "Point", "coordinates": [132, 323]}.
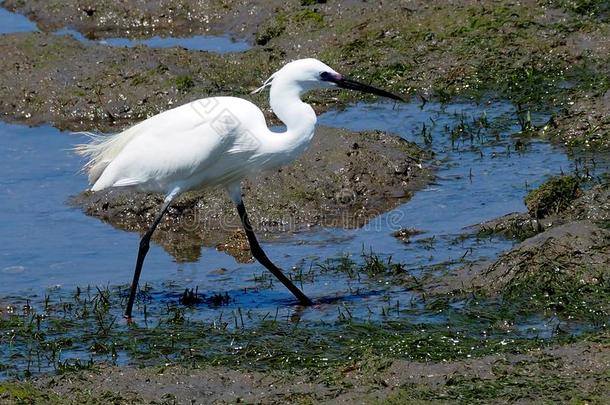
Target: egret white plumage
{"type": "Point", "coordinates": [214, 141]}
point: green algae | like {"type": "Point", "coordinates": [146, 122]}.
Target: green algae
{"type": "Point", "coordinates": [553, 196]}
{"type": "Point", "coordinates": [75, 332]}
{"type": "Point", "coordinates": [23, 393]}
{"type": "Point", "coordinates": [591, 8]}
{"type": "Point", "coordinates": [521, 52]}
{"type": "Point", "coordinates": [184, 83]}
{"type": "Point", "coordinates": [496, 52]}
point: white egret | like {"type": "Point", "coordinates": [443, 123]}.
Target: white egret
{"type": "Point", "coordinates": [214, 141]}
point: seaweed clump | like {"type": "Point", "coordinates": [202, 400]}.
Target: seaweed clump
{"type": "Point", "coordinates": [552, 197]}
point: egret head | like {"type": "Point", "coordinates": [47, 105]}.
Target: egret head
{"type": "Point", "coordinates": [309, 74]}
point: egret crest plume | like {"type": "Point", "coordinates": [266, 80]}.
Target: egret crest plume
{"type": "Point", "coordinates": [266, 83]}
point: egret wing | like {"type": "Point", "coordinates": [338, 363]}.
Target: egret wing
{"type": "Point", "coordinates": [187, 147]}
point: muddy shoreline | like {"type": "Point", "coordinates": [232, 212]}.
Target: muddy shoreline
{"type": "Point", "coordinates": [237, 18]}
{"type": "Point", "coordinates": [572, 243]}
{"type": "Point", "coordinates": [551, 57]}
{"type": "Point", "coordinates": [393, 383]}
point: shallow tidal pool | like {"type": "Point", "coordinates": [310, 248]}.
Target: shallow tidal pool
{"type": "Point", "coordinates": [65, 275]}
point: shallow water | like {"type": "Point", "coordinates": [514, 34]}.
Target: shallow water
{"type": "Point", "coordinates": [209, 43]}
{"type": "Point", "coordinates": [46, 243]}
{"type": "Point", "coordinates": [50, 245]}
{"type": "Point", "coordinates": [50, 248]}
{"type": "Point", "coordinates": [13, 22]}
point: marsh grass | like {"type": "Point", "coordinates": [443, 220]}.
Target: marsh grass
{"type": "Point", "coordinates": [67, 331]}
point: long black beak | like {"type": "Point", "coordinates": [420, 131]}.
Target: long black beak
{"type": "Point", "coordinates": [346, 83]}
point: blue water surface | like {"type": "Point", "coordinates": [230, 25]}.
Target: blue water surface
{"type": "Point", "coordinates": [12, 22]}
{"type": "Point", "coordinates": [48, 244]}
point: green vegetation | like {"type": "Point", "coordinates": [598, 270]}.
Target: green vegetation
{"type": "Point", "coordinates": [372, 266]}
{"type": "Point", "coordinates": [517, 229]}
{"type": "Point", "coordinates": [553, 196]}
{"type": "Point", "coordinates": [495, 50]}
{"type": "Point", "coordinates": [312, 2]}
{"type": "Point", "coordinates": [548, 285]}
{"type": "Point", "coordinates": [593, 8]}
{"type": "Point", "coordinates": [22, 393]}
{"type": "Point", "coordinates": [67, 333]}
{"type": "Point", "coordinates": [306, 16]}
{"type": "Point", "coordinates": [533, 54]}
{"type": "Point", "coordinates": [278, 25]}
{"type": "Point", "coordinates": [274, 28]}
{"type": "Point", "coordinates": [184, 83]}
{"type": "Point", "coordinates": [537, 58]}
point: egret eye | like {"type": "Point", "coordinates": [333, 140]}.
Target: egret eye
{"type": "Point", "coordinates": [332, 77]}
{"type": "Point", "coordinates": [326, 76]}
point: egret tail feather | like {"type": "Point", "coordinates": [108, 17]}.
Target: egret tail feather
{"type": "Point", "coordinates": [102, 149]}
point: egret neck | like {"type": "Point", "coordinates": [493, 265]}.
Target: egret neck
{"type": "Point", "coordinates": [299, 118]}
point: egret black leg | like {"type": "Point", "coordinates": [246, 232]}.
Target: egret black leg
{"type": "Point", "coordinates": [144, 245]}
{"type": "Point", "coordinates": [262, 258]}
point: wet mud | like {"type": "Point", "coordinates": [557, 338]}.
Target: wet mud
{"type": "Point", "coordinates": [97, 19]}
{"type": "Point", "coordinates": [553, 374]}
{"type": "Point", "coordinates": [539, 55]}
{"type": "Point", "coordinates": [58, 80]}
{"type": "Point", "coordinates": [560, 249]}
{"type": "Point", "coordinates": [547, 55]}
